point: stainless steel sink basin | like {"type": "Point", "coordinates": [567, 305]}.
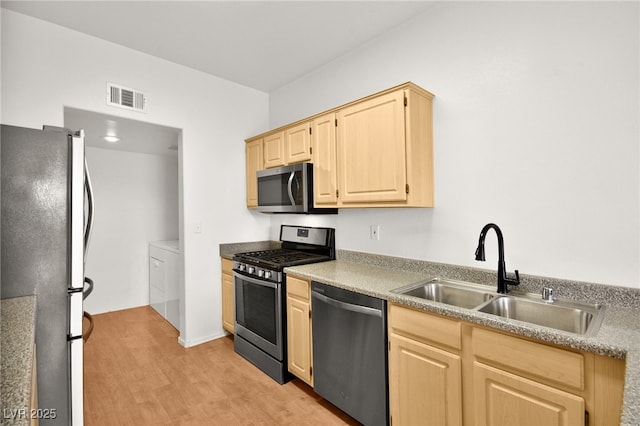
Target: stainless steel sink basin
{"type": "Point", "coordinates": [574, 317]}
{"type": "Point", "coordinates": [450, 292]}
{"type": "Point", "coordinates": [579, 318]}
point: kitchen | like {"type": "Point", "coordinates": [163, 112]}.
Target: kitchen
{"type": "Point", "coordinates": [535, 128]}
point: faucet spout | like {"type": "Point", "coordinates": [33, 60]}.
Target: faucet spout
{"type": "Point", "coordinates": [503, 281]}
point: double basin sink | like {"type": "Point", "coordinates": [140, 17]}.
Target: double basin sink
{"type": "Point", "coordinates": [573, 317]}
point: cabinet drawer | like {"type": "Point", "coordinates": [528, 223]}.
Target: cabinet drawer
{"type": "Point", "coordinates": [298, 287]}
{"type": "Point", "coordinates": [551, 364]}
{"type": "Point", "coordinates": [422, 326]}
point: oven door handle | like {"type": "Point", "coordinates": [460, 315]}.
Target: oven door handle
{"type": "Point", "coordinates": [255, 280]}
{"type": "Point", "coordinates": [290, 188]}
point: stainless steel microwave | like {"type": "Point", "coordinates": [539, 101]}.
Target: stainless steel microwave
{"type": "Point", "coordinates": [288, 189]}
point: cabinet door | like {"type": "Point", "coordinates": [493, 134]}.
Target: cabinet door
{"type": "Point", "coordinates": [228, 296]}
{"type": "Point", "coordinates": [425, 384]}
{"type": "Point", "coordinates": [254, 160]}
{"type": "Point", "coordinates": [372, 151]}
{"type": "Point", "coordinates": [299, 339]}
{"type": "Point", "coordinates": [325, 175]}
{"type": "Point", "coordinates": [228, 308]}
{"type": "Point", "coordinates": [297, 143]}
{"type": "Point", "coordinates": [502, 398]}
{"type": "Point", "coordinates": [274, 154]}
{"type": "Point", "coordinates": [299, 328]}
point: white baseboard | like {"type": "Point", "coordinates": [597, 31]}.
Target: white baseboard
{"type": "Point", "coordinates": [201, 340]}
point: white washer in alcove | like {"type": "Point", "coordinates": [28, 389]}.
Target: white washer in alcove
{"type": "Point", "coordinates": [164, 258]}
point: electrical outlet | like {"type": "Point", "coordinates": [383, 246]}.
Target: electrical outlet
{"type": "Point", "coordinates": [374, 232]}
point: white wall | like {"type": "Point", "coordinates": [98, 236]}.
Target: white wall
{"type": "Point", "coordinates": [137, 202]}
{"type": "Point", "coordinates": [536, 122]}
{"type": "Point", "coordinates": [46, 67]}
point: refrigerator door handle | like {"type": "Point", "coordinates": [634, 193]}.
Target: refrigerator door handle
{"type": "Point", "coordinates": [87, 291]}
{"type": "Point", "coordinates": [87, 333]}
{"type": "Point", "coordinates": [90, 208]}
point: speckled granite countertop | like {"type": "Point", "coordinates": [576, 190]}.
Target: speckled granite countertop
{"type": "Point", "coordinates": [18, 344]}
{"type": "Point", "coordinates": [618, 337]}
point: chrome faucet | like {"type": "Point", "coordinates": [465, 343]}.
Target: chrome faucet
{"type": "Point", "coordinates": [503, 281]}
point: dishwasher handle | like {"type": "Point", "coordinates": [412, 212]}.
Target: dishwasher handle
{"type": "Point", "coordinates": [347, 306]}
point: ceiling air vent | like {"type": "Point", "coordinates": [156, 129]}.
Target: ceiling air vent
{"type": "Point", "coordinates": [124, 97]}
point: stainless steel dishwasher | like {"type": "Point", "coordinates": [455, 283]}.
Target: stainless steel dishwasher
{"type": "Point", "coordinates": [350, 352]}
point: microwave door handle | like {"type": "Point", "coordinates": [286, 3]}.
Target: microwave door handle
{"type": "Point", "coordinates": [297, 186]}
{"type": "Point", "coordinates": [290, 188]}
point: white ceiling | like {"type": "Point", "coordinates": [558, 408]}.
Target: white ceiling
{"type": "Point", "coordinates": [259, 44]}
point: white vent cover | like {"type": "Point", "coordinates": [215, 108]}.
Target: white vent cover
{"type": "Point", "coordinates": [124, 97]}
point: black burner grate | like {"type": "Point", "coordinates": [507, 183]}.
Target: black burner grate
{"type": "Point", "coordinates": [280, 258]}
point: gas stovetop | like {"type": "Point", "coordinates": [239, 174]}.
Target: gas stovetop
{"type": "Point", "coordinates": [300, 245]}
{"type": "Point", "coordinates": [278, 259]}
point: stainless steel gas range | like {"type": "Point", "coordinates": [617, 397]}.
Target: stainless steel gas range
{"type": "Point", "coordinates": [260, 328]}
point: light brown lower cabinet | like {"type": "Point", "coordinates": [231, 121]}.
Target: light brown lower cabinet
{"type": "Point", "coordinates": [299, 344]}
{"type": "Point", "coordinates": [444, 371]}
{"type": "Point", "coordinates": [228, 296]}
{"type": "Point", "coordinates": [504, 398]}
{"type": "Point", "coordinates": [425, 368]}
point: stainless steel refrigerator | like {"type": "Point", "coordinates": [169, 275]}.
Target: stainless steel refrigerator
{"type": "Point", "coordinates": [46, 216]}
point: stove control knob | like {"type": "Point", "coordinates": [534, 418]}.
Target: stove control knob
{"type": "Point", "coordinates": [267, 274]}
{"type": "Point", "coordinates": [252, 270]}
{"type": "Point", "coordinates": [261, 273]}
{"type": "Point", "coordinates": [242, 266]}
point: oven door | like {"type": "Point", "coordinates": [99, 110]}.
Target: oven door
{"type": "Point", "coordinates": [259, 313]}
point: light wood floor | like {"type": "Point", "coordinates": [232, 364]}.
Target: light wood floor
{"type": "Point", "coordinates": [136, 373]}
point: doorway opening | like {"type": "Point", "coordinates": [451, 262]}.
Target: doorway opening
{"type": "Point", "coordinates": [137, 182]}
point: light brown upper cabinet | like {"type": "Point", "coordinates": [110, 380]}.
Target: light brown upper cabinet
{"type": "Point", "coordinates": [289, 145]}
{"type": "Point", "coordinates": [297, 143]}
{"type": "Point", "coordinates": [385, 150]}
{"type": "Point", "coordinates": [373, 152]}
{"type": "Point", "coordinates": [274, 153]}
{"type": "Point", "coordinates": [325, 167]}
{"type": "Point", "coordinates": [255, 162]}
